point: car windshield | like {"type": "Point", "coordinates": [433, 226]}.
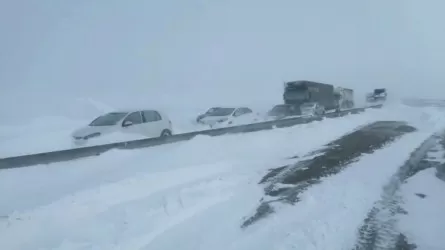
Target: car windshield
{"type": "Point", "coordinates": [379, 91]}
{"type": "Point", "coordinates": [219, 111]}
{"type": "Point", "coordinates": [109, 119]}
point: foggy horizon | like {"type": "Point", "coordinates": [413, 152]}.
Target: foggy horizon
{"type": "Point", "coordinates": [177, 55]}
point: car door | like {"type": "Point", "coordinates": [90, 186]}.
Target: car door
{"type": "Point", "coordinates": [133, 123]}
{"type": "Point", "coordinates": [153, 123]}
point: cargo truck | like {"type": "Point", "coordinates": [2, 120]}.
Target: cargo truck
{"type": "Point", "coordinates": [344, 97]}
{"type": "Point", "coordinates": [300, 92]}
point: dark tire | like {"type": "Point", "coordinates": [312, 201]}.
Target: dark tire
{"type": "Point", "coordinates": [166, 133]}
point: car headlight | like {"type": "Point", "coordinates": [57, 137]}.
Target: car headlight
{"type": "Point", "coordinates": [92, 135]}
{"type": "Point", "coordinates": [199, 118]}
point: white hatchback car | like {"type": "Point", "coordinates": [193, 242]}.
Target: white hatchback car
{"type": "Point", "coordinates": [222, 117]}
{"type": "Point", "coordinates": [149, 123]}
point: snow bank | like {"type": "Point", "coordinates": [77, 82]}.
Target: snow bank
{"type": "Point", "coordinates": [194, 194]}
{"type": "Point", "coordinates": [41, 135]}
{"type": "Point", "coordinates": [424, 224]}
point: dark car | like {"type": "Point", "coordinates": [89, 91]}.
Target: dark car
{"type": "Point", "coordinates": [377, 95]}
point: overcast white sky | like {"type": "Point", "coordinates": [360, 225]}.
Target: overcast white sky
{"type": "Point", "coordinates": [181, 54]}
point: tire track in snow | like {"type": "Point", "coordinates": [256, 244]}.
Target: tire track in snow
{"type": "Point", "coordinates": [82, 207]}
{"type": "Point", "coordinates": [285, 184]}
{"type": "Point", "coordinates": [379, 230]}
{"type": "Point", "coordinates": [145, 240]}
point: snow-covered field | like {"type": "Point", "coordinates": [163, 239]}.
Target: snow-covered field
{"type": "Point", "coordinates": [424, 203]}
{"type": "Point", "coordinates": [194, 194]}
{"type": "Point", "coordinates": [424, 224]}
{"type": "Point", "coordinates": [41, 135]}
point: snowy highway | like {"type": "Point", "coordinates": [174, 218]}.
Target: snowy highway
{"type": "Point", "coordinates": [197, 194]}
{"type": "Point", "coordinates": [222, 125]}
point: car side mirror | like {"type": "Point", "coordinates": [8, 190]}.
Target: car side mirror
{"type": "Point", "coordinates": [127, 124]}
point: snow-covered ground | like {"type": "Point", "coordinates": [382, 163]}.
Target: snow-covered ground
{"type": "Point", "coordinates": [194, 194]}
{"type": "Point", "coordinates": [424, 224]}
{"type": "Point", "coordinates": [63, 63]}
{"type": "Point", "coordinates": [424, 203]}
{"type": "Point", "coordinates": [41, 135]}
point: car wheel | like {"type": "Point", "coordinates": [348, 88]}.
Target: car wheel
{"type": "Point", "coordinates": [166, 133]}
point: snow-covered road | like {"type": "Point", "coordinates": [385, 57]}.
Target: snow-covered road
{"type": "Point", "coordinates": [195, 194]}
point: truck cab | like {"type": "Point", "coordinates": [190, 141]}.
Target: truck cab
{"type": "Point", "coordinates": [377, 95]}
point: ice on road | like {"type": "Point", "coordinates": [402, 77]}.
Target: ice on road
{"type": "Point", "coordinates": [195, 194]}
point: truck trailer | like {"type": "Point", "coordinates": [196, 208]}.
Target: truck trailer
{"type": "Point", "coordinates": [345, 98]}
{"type": "Point", "coordinates": [300, 92]}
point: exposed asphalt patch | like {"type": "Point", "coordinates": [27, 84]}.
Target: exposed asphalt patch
{"type": "Point", "coordinates": [284, 184]}
{"type": "Point", "coordinates": [379, 229]}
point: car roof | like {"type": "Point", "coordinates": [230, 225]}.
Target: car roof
{"type": "Point", "coordinates": [221, 107]}
{"type": "Point", "coordinates": [127, 111]}
{"type": "Point", "coordinates": [132, 110]}
{"type": "Point", "coordinates": [239, 107]}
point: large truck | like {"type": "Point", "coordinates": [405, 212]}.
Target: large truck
{"type": "Point", "coordinates": [344, 97]}
{"type": "Point", "coordinates": [300, 92]}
